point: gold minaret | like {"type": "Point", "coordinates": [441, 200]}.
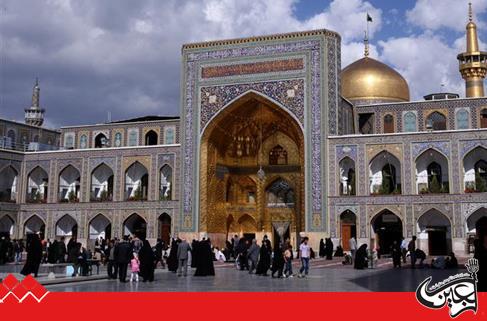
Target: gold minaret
{"type": "Point", "coordinates": [473, 63]}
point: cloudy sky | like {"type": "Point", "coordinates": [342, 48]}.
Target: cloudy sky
{"type": "Point", "coordinates": [123, 56]}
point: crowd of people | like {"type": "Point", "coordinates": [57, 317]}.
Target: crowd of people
{"type": "Point", "coordinates": [264, 259]}
{"type": "Point", "coordinates": [11, 250]}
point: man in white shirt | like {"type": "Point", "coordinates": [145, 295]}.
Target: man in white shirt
{"type": "Point", "coordinates": [404, 249]}
{"type": "Point", "coordinates": [353, 247]}
{"type": "Point", "coordinates": [304, 255]}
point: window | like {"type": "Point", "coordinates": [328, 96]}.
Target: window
{"type": "Point", "coordinates": [436, 121]}
{"type": "Point", "coordinates": [101, 141]}
{"type": "Point", "coordinates": [133, 139]}
{"type": "Point", "coordinates": [483, 118]}
{"type": "Point", "coordinates": [280, 194]}
{"type": "Point", "coordinates": [151, 138]}
{"type": "Point", "coordinates": [366, 123]}
{"type": "Point", "coordinates": [69, 140]}
{"type": "Point", "coordinates": [83, 142]}
{"type": "Point", "coordinates": [165, 192]}
{"type": "Point", "coordinates": [118, 140]}
{"type": "Point", "coordinates": [410, 122]}
{"type": "Point", "coordinates": [11, 139]}
{"type": "Point", "coordinates": [462, 119]}
{"type": "Point", "coordinates": [388, 124]}
{"type": "Point", "coordinates": [169, 135]}
{"type": "Point", "coordinates": [278, 156]}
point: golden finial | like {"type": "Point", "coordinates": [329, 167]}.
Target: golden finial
{"type": "Point", "coordinates": [366, 44]}
{"type": "Point", "coordinates": [470, 12]}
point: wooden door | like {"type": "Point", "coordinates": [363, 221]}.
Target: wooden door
{"type": "Point", "coordinates": [166, 233]}
{"type": "Point", "coordinates": [346, 235]}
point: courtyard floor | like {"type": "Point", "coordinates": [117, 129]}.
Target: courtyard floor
{"type": "Point", "coordinates": [325, 276]}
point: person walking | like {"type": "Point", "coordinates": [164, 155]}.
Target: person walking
{"type": "Point", "coordinates": [277, 261]}
{"type": "Point", "coordinates": [396, 254]}
{"type": "Point", "coordinates": [264, 258]}
{"type": "Point", "coordinates": [112, 267]}
{"type": "Point", "coordinates": [412, 252]}
{"type": "Point", "coordinates": [322, 250]}
{"type": "Point", "coordinates": [182, 254]}
{"type": "Point", "coordinates": [123, 254]}
{"type": "Point", "coordinates": [288, 261]}
{"type": "Point", "coordinates": [34, 255]}
{"type": "Point", "coordinates": [329, 248]}
{"type": "Point", "coordinates": [404, 249]}
{"type": "Point", "coordinates": [353, 247]}
{"type": "Point", "coordinates": [304, 255]}
{"type": "Point", "coordinates": [134, 267]}
{"type": "Point", "coordinates": [361, 261]}
{"type": "Point", "coordinates": [18, 249]}
{"type": "Point", "coordinates": [147, 260]}
{"type": "Point", "coordinates": [253, 255]}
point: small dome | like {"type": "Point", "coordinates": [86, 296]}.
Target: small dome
{"type": "Point", "coordinates": [370, 81]}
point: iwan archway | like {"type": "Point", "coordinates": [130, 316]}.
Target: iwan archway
{"type": "Point", "coordinates": [252, 163]}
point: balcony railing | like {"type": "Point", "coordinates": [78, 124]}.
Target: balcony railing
{"type": "Point", "coordinates": [101, 197]}
{"type": "Point", "coordinates": [35, 196]}
{"type": "Point", "coordinates": [135, 197]}
{"type": "Point", "coordinates": [69, 198]}
{"type": "Point", "coordinates": [7, 143]}
{"type": "Point", "coordinates": [164, 197]}
{"type": "Point", "coordinates": [442, 188]}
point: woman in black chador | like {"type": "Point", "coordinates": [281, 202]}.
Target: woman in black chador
{"type": "Point", "coordinates": [264, 258]}
{"type": "Point", "coordinates": [396, 254]}
{"type": "Point", "coordinates": [34, 255]}
{"type": "Point", "coordinates": [329, 249]}
{"type": "Point", "coordinates": [361, 257]}
{"type": "Point", "coordinates": [147, 259]}
{"type": "Point", "coordinates": [277, 261]}
{"type": "Point", "coordinates": [172, 260]}
{"type": "Point", "coordinates": [204, 263]}
{"type": "Point", "coordinates": [322, 251]}
{"type": "Point", "coordinates": [194, 253]}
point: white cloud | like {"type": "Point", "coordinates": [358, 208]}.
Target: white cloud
{"type": "Point", "coordinates": [124, 55]}
{"type": "Point", "coordinates": [452, 14]}
{"type": "Point", "coordinates": [426, 62]}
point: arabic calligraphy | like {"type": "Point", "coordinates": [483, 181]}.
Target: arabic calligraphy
{"type": "Point", "coordinates": [458, 292]}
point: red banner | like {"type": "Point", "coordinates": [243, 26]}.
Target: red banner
{"type": "Point", "coordinates": [231, 306]}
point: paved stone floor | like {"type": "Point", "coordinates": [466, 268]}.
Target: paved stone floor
{"type": "Point", "coordinates": [325, 276]}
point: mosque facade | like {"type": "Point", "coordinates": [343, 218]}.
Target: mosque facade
{"type": "Point", "coordinates": [274, 138]}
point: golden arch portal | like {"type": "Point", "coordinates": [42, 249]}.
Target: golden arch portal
{"type": "Point", "coordinates": [252, 133]}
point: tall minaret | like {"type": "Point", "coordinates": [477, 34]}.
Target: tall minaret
{"type": "Point", "coordinates": [473, 63]}
{"type": "Point", "coordinates": [35, 115]}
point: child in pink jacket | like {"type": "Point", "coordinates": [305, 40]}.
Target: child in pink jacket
{"type": "Point", "coordinates": [135, 268]}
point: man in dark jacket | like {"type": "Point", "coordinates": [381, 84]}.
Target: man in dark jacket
{"type": "Point", "coordinates": [253, 255]}
{"type": "Point", "coordinates": [62, 251]}
{"type": "Point", "coordinates": [112, 267]}
{"type": "Point", "coordinates": [123, 254]}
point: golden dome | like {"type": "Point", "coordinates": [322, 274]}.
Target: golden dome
{"type": "Point", "coordinates": [370, 81]}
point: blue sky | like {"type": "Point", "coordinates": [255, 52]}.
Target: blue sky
{"type": "Point", "coordinates": [123, 56]}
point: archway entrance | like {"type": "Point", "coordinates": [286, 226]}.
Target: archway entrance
{"type": "Point", "coordinates": [67, 226]}
{"type": "Point", "coordinates": [100, 226]}
{"type": "Point", "coordinates": [6, 226]}
{"type": "Point", "coordinates": [475, 225]}
{"type": "Point", "coordinates": [387, 228]}
{"type": "Point", "coordinates": [164, 229]}
{"type": "Point", "coordinates": [34, 225]}
{"type": "Point", "coordinates": [434, 233]}
{"type": "Point", "coordinates": [252, 135]}
{"type": "Point", "coordinates": [348, 228]}
{"type": "Point", "coordinates": [135, 225]}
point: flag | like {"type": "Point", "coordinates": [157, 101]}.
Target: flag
{"type": "Point", "coordinates": [369, 18]}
